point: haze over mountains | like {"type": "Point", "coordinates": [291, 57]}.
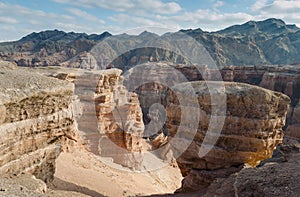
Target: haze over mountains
{"type": "Point", "coordinates": [254, 43]}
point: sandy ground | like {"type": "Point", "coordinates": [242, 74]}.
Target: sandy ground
{"type": "Point", "coordinates": [81, 171]}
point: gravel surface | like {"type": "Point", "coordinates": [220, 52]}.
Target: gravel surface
{"type": "Point", "coordinates": [19, 83]}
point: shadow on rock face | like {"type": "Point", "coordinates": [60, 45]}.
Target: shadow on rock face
{"type": "Point", "coordinates": [59, 184]}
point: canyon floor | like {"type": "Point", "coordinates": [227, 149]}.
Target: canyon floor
{"type": "Point", "coordinates": [81, 171]}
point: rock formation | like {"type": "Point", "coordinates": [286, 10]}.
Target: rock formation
{"type": "Point", "coordinates": [118, 110]}
{"type": "Point", "coordinates": [38, 121]}
{"type": "Point", "coordinates": [271, 179]}
{"type": "Point", "coordinates": [36, 118]}
{"type": "Point", "coordinates": [28, 185]}
{"type": "Point", "coordinates": [151, 81]}
{"type": "Point", "coordinates": [111, 121]}
{"type": "Point", "coordinates": [251, 131]}
{"type": "Point", "coordinates": [120, 118]}
{"type": "Point", "coordinates": [284, 79]}
{"type": "Point", "coordinates": [289, 84]}
{"type": "Point", "coordinates": [276, 177]}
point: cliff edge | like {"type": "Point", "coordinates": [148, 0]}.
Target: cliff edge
{"type": "Point", "coordinates": [36, 116]}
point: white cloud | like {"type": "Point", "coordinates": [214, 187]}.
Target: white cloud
{"type": "Point", "coordinates": [8, 20]}
{"type": "Point", "coordinates": [157, 6]}
{"type": "Point", "coordinates": [80, 16]}
{"type": "Point", "coordinates": [85, 15]}
{"type": "Point", "coordinates": [259, 4]}
{"type": "Point", "coordinates": [206, 19]}
{"type": "Point", "coordinates": [277, 7]}
{"type": "Point", "coordinates": [30, 20]}
{"type": "Point", "coordinates": [120, 5]}
{"type": "Point", "coordinates": [218, 4]}
{"type": "Point", "coordinates": [142, 7]}
{"type": "Point", "coordinates": [132, 21]}
{"type": "Point", "coordinates": [288, 10]}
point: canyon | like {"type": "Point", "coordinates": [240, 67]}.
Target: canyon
{"type": "Point", "coordinates": [57, 129]}
{"type": "Point", "coordinates": [145, 115]}
{"type": "Point", "coordinates": [46, 137]}
{"type": "Point", "coordinates": [262, 127]}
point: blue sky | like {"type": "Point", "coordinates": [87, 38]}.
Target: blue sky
{"type": "Point", "coordinates": [21, 17]}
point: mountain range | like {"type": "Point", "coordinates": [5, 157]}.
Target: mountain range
{"type": "Point", "coordinates": [271, 41]}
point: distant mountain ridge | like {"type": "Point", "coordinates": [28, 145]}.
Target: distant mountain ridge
{"type": "Point", "coordinates": [253, 43]}
{"type": "Point", "coordinates": [270, 26]}
{"type": "Point", "coordinates": [57, 35]}
{"type": "Point", "coordinates": [271, 41]}
{"type": "Point", "coordinates": [48, 48]}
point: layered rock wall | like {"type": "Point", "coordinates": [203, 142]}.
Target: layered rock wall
{"type": "Point", "coordinates": [36, 118]}
{"type": "Point", "coordinates": [111, 119]}
{"type": "Point", "coordinates": [289, 84]}
{"type": "Point", "coordinates": [284, 79]}
{"type": "Point", "coordinates": [120, 120]}
{"type": "Point", "coordinates": [251, 130]}
{"type": "Point", "coordinates": [118, 111]}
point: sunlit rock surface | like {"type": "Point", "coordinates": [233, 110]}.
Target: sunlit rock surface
{"type": "Point", "coordinates": [251, 130]}
{"type": "Point", "coordinates": [36, 118]}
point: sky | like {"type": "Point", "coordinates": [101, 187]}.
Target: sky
{"type": "Point", "coordinates": [21, 17]}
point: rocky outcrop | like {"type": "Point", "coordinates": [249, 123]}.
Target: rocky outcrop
{"type": "Point", "coordinates": [118, 111]}
{"type": "Point", "coordinates": [120, 119]}
{"type": "Point", "coordinates": [28, 185]}
{"type": "Point", "coordinates": [289, 84]}
{"type": "Point", "coordinates": [277, 176]}
{"type": "Point", "coordinates": [252, 128]}
{"type": "Point", "coordinates": [111, 119]}
{"type": "Point", "coordinates": [272, 179]}
{"type": "Point", "coordinates": [36, 119]}
{"type": "Point", "coordinates": [284, 79]}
